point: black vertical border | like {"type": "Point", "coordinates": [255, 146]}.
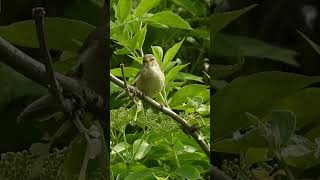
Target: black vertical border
{"type": "Point", "coordinates": [212, 9]}
{"type": "Point", "coordinates": [106, 18]}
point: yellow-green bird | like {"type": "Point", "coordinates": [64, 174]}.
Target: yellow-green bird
{"type": "Point", "coordinates": [150, 80]}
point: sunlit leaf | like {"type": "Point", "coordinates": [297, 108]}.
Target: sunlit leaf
{"type": "Point", "coordinates": [170, 19]}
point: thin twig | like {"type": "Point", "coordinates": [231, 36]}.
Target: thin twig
{"type": "Point", "coordinates": [53, 84]}
{"type": "Point", "coordinates": [126, 85]}
{"type": "Point", "coordinates": [32, 69]}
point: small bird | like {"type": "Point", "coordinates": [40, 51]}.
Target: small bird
{"type": "Point", "coordinates": [150, 80]}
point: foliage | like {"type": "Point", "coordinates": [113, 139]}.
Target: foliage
{"type": "Point", "coordinates": [64, 37]}
{"type": "Point", "coordinates": [146, 144]}
{"type": "Point", "coordinates": [263, 116]}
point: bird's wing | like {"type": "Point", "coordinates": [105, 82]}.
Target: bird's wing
{"type": "Point", "coordinates": [138, 76]}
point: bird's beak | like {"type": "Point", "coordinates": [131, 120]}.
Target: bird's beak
{"type": "Point", "coordinates": [148, 61]}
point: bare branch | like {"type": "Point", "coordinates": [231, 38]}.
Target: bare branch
{"type": "Point", "coordinates": [53, 87]}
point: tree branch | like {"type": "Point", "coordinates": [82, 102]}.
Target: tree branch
{"type": "Point", "coordinates": [184, 124]}
{"type": "Point", "coordinates": [215, 173]}
{"type": "Point", "coordinates": [35, 71]}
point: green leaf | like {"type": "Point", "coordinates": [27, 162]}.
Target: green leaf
{"type": "Point", "coordinates": [191, 91]}
{"type": "Point", "coordinates": [196, 8]}
{"type": "Point", "coordinates": [157, 51]}
{"type": "Point", "coordinates": [222, 71]}
{"type": "Point", "coordinates": [138, 39]}
{"type": "Point", "coordinates": [171, 53]}
{"type": "Point", "coordinates": [304, 104]}
{"type": "Point", "coordinates": [173, 72]}
{"type": "Point", "coordinates": [255, 155]}
{"type": "Point", "coordinates": [146, 174]}
{"type": "Point", "coordinates": [188, 76]}
{"type": "Point", "coordinates": [72, 165]}
{"type": "Point", "coordinates": [128, 72]}
{"type": "Point", "coordinates": [123, 9]}
{"type": "Point", "coordinates": [119, 147]}
{"type": "Point", "coordinates": [66, 63]}
{"type": "Point", "coordinates": [145, 5]}
{"type": "Point", "coordinates": [313, 45]}
{"type": "Point", "coordinates": [233, 46]}
{"type": "Point", "coordinates": [256, 93]}
{"type": "Point", "coordinates": [300, 153]}
{"type": "Point", "coordinates": [255, 138]}
{"type": "Point", "coordinates": [23, 33]}
{"type": "Point", "coordinates": [15, 85]}
{"type": "Point", "coordinates": [140, 148]}
{"type": "Point", "coordinates": [122, 51]}
{"type": "Point", "coordinates": [170, 19]}
{"type": "Point", "coordinates": [285, 121]}
{"type": "Point", "coordinates": [188, 171]}
{"type": "Point", "coordinates": [221, 20]}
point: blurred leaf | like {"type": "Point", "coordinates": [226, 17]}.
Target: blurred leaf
{"type": "Point", "coordinates": [66, 63]}
{"type": "Point", "coordinates": [145, 6]}
{"type": "Point", "coordinates": [138, 39]}
{"type": "Point", "coordinates": [171, 53]}
{"type": "Point", "coordinates": [128, 72]}
{"type": "Point", "coordinates": [123, 9]}
{"type": "Point", "coordinates": [200, 33]}
{"type": "Point", "coordinates": [145, 174]}
{"type": "Point", "coordinates": [173, 72]}
{"type": "Point", "coordinates": [196, 8]}
{"type": "Point", "coordinates": [15, 85]}
{"type": "Point", "coordinates": [285, 121]}
{"type": "Point", "coordinates": [119, 147]}
{"type": "Point", "coordinates": [220, 20]}
{"type": "Point", "coordinates": [313, 45]}
{"type": "Point", "coordinates": [191, 91]}
{"type": "Point", "coordinates": [304, 104]}
{"type": "Point", "coordinates": [255, 138]}
{"type": "Point", "coordinates": [255, 155]}
{"type": "Point", "coordinates": [157, 51]}
{"type": "Point", "coordinates": [92, 9]}
{"type": "Point", "coordinates": [140, 148]}
{"type": "Point", "coordinates": [188, 171]}
{"type": "Point", "coordinates": [72, 164]}
{"type": "Point", "coordinates": [222, 71]}
{"type": "Point", "coordinates": [122, 51]}
{"type": "Point", "coordinates": [23, 33]}
{"type": "Point", "coordinates": [300, 154]}
{"type": "Point", "coordinates": [170, 19]}
{"type": "Point", "coordinates": [188, 76]}
{"type": "Point", "coordinates": [225, 45]}
{"type": "Point", "coordinates": [256, 94]}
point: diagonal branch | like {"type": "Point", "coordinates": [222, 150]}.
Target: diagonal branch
{"type": "Point", "coordinates": [184, 124]}
{"type": "Point", "coordinates": [215, 173]}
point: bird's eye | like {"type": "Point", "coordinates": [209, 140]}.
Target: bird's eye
{"type": "Point", "coordinates": [152, 59]}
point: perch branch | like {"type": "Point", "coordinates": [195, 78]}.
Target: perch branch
{"type": "Point", "coordinates": [184, 124]}
{"type": "Point", "coordinates": [216, 173]}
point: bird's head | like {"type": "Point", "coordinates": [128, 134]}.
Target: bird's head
{"type": "Point", "coordinates": [149, 61]}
